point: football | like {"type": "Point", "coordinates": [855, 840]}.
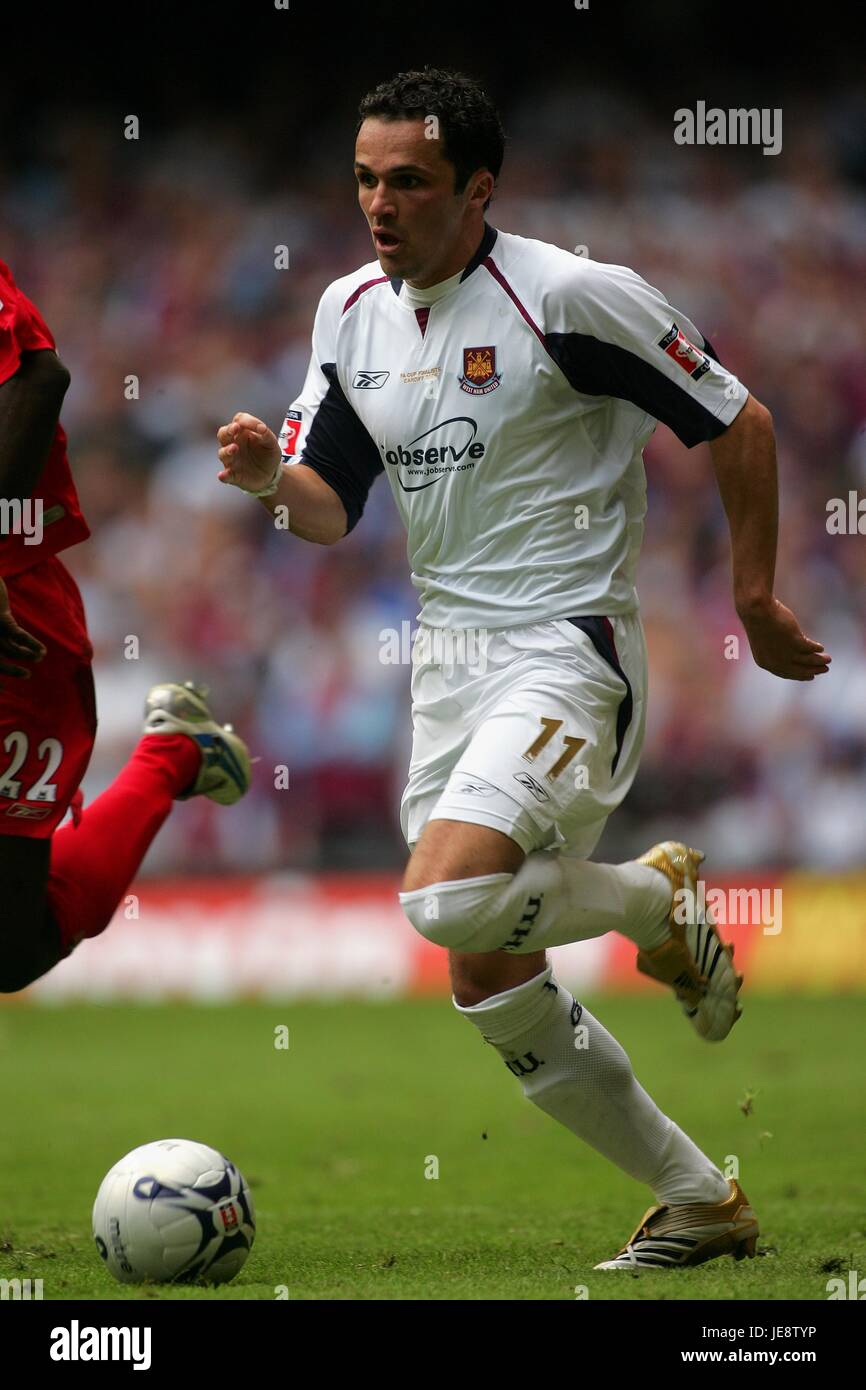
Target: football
{"type": "Point", "coordinates": [173, 1211]}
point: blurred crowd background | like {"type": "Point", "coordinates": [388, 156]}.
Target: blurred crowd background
{"type": "Point", "coordinates": [155, 258]}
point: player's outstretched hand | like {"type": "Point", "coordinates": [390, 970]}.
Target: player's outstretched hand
{"type": "Point", "coordinates": [249, 452]}
{"type": "Point", "coordinates": [15, 644]}
{"type": "Point", "coordinates": [779, 644]}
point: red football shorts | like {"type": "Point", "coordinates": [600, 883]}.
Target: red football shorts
{"type": "Point", "coordinates": [47, 723]}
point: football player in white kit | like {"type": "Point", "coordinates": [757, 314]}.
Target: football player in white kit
{"type": "Point", "coordinates": [507, 388]}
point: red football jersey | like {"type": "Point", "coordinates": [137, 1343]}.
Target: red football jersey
{"type": "Point", "coordinates": [23, 329]}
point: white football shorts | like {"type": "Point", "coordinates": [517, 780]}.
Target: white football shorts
{"type": "Point", "coordinates": [534, 731]}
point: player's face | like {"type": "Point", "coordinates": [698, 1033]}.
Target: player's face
{"type": "Point", "coordinates": [420, 227]}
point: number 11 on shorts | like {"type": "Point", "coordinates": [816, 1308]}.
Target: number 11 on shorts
{"type": "Point", "coordinates": [550, 727]}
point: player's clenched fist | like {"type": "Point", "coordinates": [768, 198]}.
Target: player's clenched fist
{"type": "Point", "coordinates": [249, 453]}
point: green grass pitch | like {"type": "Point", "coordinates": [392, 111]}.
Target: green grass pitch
{"type": "Point", "coordinates": [334, 1134]}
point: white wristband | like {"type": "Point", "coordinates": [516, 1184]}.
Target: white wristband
{"type": "Point", "coordinates": [272, 485]}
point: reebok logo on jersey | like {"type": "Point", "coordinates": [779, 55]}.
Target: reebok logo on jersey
{"type": "Point", "coordinates": [684, 353]}
{"type": "Point", "coordinates": [433, 460]}
{"type": "Point", "coordinates": [479, 371]}
{"type": "Point", "coordinates": [369, 381]}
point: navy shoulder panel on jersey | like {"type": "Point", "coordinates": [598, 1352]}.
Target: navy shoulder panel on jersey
{"type": "Point", "coordinates": [340, 450]}
{"type": "Point", "coordinates": [485, 246]}
{"type": "Point", "coordinates": [596, 368]}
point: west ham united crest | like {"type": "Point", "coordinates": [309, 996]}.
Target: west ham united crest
{"type": "Point", "coordinates": [480, 376]}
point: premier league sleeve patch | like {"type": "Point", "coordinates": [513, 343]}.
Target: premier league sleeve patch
{"type": "Point", "coordinates": [677, 346]}
{"type": "Point", "coordinates": [479, 371]}
{"type": "Point", "coordinates": [289, 433]}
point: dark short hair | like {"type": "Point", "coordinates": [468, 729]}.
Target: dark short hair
{"type": "Point", "coordinates": [469, 125]}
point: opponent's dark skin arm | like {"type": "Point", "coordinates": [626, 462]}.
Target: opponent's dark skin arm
{"type": "Point", "coordinates": [30, 404]}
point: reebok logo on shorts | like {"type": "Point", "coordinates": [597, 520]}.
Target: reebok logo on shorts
{"type": "Point", "coordinates": [532, 786]}
{"type": "Point", "coordinates": [477, 788]}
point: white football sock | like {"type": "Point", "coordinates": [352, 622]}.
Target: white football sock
{"type": "Point", "coordinates": [551, 900]}
{"type": "Point", "coordinates": [591, 1088]}
{"type": "Point", "coordinates": [572, 900]}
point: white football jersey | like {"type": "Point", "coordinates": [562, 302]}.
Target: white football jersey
{"type": "Point", "coordinates": [509, 408]}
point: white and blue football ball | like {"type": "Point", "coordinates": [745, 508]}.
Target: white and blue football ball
{"type": "Point", "coordinates": [174, 1212]}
